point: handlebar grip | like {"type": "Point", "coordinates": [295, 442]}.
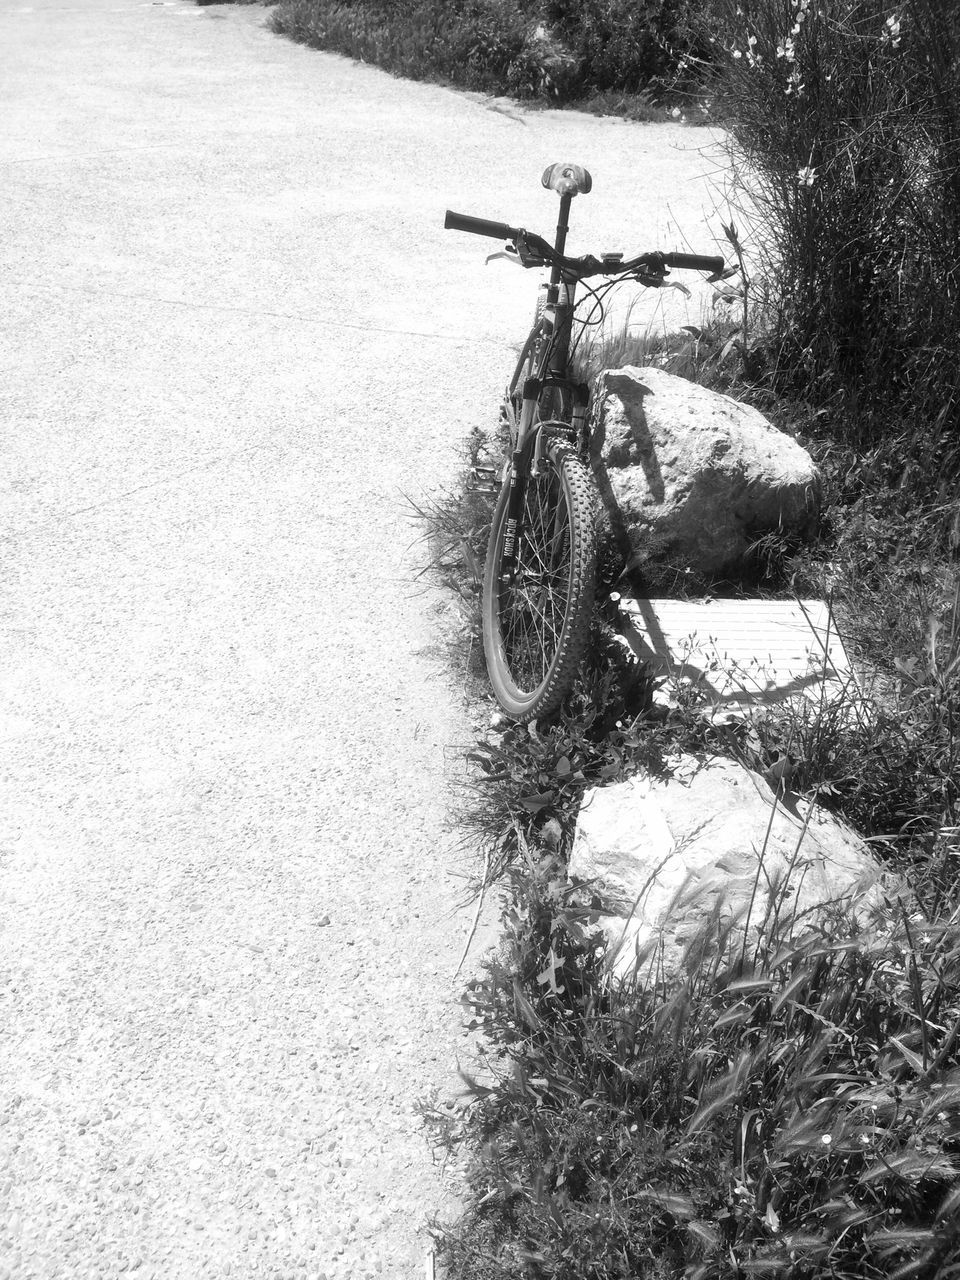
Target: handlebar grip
{"type": "Point", "coordinates": [695, 262]}
{"type": "Point", "coordinates": [479, 226]}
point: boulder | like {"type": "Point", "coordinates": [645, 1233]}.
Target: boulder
{"type": "Point", "coordinates": [713, 843]}
{"type": "Point", "coordinates": [688, 475]}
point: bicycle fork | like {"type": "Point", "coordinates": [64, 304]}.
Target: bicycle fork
{"type": "Point", "coordinates": [526, 461]}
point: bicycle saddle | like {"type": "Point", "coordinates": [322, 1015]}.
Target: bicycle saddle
{"type": "Point", "coordinates": [567, 179]}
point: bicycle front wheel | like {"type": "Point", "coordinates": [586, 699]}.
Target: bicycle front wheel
{"type": "Point", "coordinates": [536, 621]}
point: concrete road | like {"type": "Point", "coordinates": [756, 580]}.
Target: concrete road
{"type": "Point", "coordinates": [234, 334]}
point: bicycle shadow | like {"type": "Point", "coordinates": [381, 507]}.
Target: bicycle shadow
{"type": "Point", "coordinates": [724, 682]}
{"type": "Point", "coordinates": [636, 448]}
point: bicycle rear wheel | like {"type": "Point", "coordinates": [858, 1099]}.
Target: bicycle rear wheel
{"type": "Point", "coordinates": [536, 623]}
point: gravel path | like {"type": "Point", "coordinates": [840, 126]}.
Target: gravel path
{"type": "Point", "coordinates": [234, 334]}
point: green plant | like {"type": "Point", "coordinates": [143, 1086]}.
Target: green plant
{"type": "Point", "coordinates": [790, 1111]}
{"type": "Point", "coordinates": [844, 119]}
{"type": "Point", "coordinates": [627, 47]}
{"type": "Point", "coordinates": [555, 53]}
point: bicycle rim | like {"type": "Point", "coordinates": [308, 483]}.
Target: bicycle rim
{"type": "Point", "coordinates": [536, 625]}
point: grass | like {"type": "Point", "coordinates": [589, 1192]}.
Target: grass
{"type": "Point", "coordinates": [603, 55]}
{"type": "Point", "coordinates": [792, 1112]}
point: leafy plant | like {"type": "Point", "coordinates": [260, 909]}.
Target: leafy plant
{"type": "Point", "coordinates": [844, 119]}
{"type": "Point", "coordinates": [566, 53]}
{"type": "Point", "coordinates": [792, 1111]}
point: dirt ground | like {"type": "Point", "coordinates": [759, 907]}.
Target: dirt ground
{"type": "Point", "coordinates": [235, 335]}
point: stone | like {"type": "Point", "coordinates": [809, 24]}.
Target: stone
{"type": "Point", "coordinates": [666, 855]}
{"type": "Point", "coordinates": [693, 477]}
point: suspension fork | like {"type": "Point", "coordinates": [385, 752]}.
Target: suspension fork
{"type": "Point", "coordinates": [527, 456]}
{"type": "Point", "coordinates": [519, 474]}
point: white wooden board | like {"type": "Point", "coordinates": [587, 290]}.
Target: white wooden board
{"type": "Point", "coordinates": [741, 653]}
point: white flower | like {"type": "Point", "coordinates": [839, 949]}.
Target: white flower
{"type": "Point", "coordinates": [891, 33]}
{"type": "Point", "coordinates": [737, 53]}
{"type": "Point", "coordinates": [826, 1139]}
{"type": "Point", "coordinates": [807, 176]}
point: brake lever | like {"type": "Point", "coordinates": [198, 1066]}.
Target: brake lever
{"type": "Point", "coordinates": [509, 253]}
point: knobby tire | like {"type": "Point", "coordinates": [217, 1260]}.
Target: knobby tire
{"type": "Point", "coordinates": [536, 627]}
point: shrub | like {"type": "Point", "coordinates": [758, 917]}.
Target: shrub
{"type": "Point", "coordinates": [845, 120]}
{"type": "Point", "coordinates": [555, 52]}
{"type": "Point", "coordinates": [481, 44]}
{"type": "Point", "coordinates": [629, 47]}
{"type": "Point", "coordinates": [793, 1111]}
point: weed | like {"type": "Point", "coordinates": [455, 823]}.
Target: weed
{"type": "Point", "coordinates": [561, 55]}
{"type": "Point", "coordinates": [794, 1111]}
{"type": "Point", "coordinates": [844, 123]}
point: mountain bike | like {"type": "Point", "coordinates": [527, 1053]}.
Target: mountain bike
{"type": "Point", "coordinates": [538, 584]}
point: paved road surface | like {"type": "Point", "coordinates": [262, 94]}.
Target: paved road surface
{"type": "Point", "coordinates": [233, 334]}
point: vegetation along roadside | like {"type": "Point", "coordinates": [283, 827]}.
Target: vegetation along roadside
{"type": "Point", "coordinates": [793, 1108]}
{"type": "Point", "coordinates": [613, 56]}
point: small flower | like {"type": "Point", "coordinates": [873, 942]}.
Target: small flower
{"type": "Point", "coordinates": [891, 32]}
{"type": "Point", "coordinates": [865, 1139]}
{"type": "Point", "coordinates": [676, 113]}
{"type": "Point", "coordinates": [826, 1139]}
{"type": "Point", "coordinates": [737, 53]}
{"type": "Point", "coordinates": [807, 176]}
{"type": "Point", "coordinates": [794, 84]}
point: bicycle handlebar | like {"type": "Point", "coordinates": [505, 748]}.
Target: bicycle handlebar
{"type": "Point", "coordinates": [479, 226]}
{"type": "Point", "coordinates": [695, 262]}
{"type": "Point", "coordinates": [544, 254]}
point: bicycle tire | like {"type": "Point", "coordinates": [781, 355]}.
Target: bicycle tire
{"type": "Point", "coordinates": [536, 627]}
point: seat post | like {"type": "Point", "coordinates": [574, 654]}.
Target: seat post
{"type": "Point", "coordinates": [562, 229]}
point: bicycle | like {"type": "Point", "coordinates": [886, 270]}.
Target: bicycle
{"type": "Point", "coordinates": [538, 584]}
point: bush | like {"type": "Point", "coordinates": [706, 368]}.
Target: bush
{"type": "Point", "coordinates": [629, 47]}
{"type": "Point", "coordinates": [792, 1111]}
{"type": "Point", "coordinates": [845, 119]}
{"type": "Point", "coordinates": [555, 52]}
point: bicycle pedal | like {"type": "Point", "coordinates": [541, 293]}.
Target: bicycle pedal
{"type": "Point", "coordinates": [485, 480]}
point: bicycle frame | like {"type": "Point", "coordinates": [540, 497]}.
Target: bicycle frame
{"type": "Point", "coordinates": [552, 332]}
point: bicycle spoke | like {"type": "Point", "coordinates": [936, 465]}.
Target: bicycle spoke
{"type": "Point", "coordinates": [534, 604]}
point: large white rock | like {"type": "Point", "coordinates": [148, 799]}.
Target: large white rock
{"type": "Point", "coordinates": [666, 854]}
{"type": "Point", "coordinates": [689, 475]}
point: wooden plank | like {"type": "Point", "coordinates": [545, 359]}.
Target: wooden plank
{"type": "Point", "coordinates": [741, 653]}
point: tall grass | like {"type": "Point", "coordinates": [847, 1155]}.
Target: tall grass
{"type": "Point", "coordinates": [554, 52]}
{"type": "Point", "coordinates": [794, 1111]}
{"type": "Point", "coordinates": [845, 121]}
